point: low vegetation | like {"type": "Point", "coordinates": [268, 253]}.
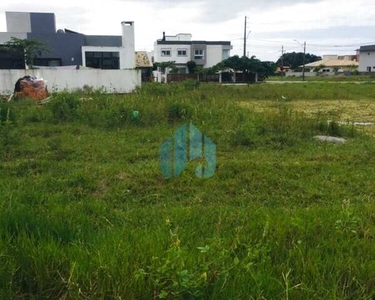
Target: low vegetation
{"type": "Point", "coordinates": [87, 214]}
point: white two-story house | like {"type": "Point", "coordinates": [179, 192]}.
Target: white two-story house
{"type": "Point", "coordinates": [182, 49]}
{"type": "Point", "coordinates": [367, 59]}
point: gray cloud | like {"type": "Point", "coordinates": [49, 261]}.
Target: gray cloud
{"type": "Point", "coordinates": [216, 11]}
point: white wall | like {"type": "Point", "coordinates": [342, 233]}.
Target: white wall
{"type": "Point", "coordinates": [179, 37]}
{"type": "Point", "coordinates": [299, 74]}
{"type": "Point", "coordinates": [173, 57]}
{"type": "Point", "coordinates": [113, 81]}
{"type": "Point", "coordinates": [214, 55]}
{"type": "Point", "coordinates": [127, 56]}
{"type": "Point", "coordinates": [366, 59]}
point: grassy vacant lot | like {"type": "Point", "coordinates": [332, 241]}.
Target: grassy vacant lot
{"type": "Point", "coordinates": [337, 78]}
{"type": "Point", "coordinates": [87, 214]}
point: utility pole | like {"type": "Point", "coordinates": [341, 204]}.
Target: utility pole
{"type": "Point", "coordinates": [245, 37]}
{"type": "Point", "coordinates": [304, 61]}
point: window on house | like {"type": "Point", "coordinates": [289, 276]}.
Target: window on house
{"type": "Point", "coordinates": [181, 52]}
{"type": "Point", "coordinates": [11, 59]}
{"type": "Point", "coordinates": [165, 52]}
{"type": "Point", "coordinates": [199, 54]}
{"type": "Point", "coordinates": [226, 54]}
{"type": "Point", "coordinates": [103, 60]}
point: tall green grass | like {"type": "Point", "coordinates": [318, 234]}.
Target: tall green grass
{"type": "Point", "coordinates": [85, 212]}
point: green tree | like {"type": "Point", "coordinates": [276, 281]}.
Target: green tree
{"type": "Point", "coordinates": [31, 48]}
{"type": "Point", "coordinates": [247, 65]}
{"type": "Point", "coordinates": [192, 66]}
{"type": "Point", "coordinates": [295, 59]}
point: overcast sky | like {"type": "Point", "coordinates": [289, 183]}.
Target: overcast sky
{"type": "Point", "coordinates": [328, 26]}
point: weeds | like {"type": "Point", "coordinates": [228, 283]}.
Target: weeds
{"type": "Point", "coordinates": [87, 214]}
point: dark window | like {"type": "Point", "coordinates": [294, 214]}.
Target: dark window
{"type": "Point", "coordinates": [182, 52]}
{"type": "Point", "coordinates": [165, 52]}
{"type": "Point", "coordinates": [199, 54]}
{"type": "Point", "coordinates": [47, 62]}
{"type": "Point", "coordinates": [103, 60]}
{"type": "Point", "coordinates": [11, 59]}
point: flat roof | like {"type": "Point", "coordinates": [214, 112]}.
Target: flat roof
{"type": "Point", "coordinates": [367, 48]}
{"type": "Point", "coordinates": [161, 42]}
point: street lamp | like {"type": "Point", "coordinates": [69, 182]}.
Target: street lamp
{"type": "Point", "coordinates": [304, 58]}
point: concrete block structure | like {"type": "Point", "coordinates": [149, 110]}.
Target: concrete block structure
{"type": "Point", "coordinates": [367, 59]}
{"type": "Point", "coordinates": [182, 49]}
{"type": "Point", "coordinates": [68, 47]}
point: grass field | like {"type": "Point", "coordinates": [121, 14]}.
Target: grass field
{"type": "Point", "coordinates": [87, 214]}
{"type": "Point", "coordinates": [337, 78]}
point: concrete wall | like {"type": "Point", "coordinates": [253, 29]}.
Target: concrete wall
{"type": "Point", "coordinates": [179, 37]}
{"type": "Point", "coordinates": [127, 55]}
{"type": "Point", "coordinates": [43, 23]}
{"type": "Point", "coordinates": [174, 51]}
{"type": "Point", "coordinates": [113, 81]}
{"type": "Point", "coordinates": [6, 36]}
{"type": "Point", "coordinates": [214, 55]}
{"type": "Point", "coordinates": [18, 22]}
{"type": "Point", "coordinates": [299, 74]}
{"type": "Point", "coordinates": [366, 59]}
{"type": "Point", "coordinates": [203, 47]}
{"type": "Point", "coordinates": [24, 22]}
{"type": "Point", "coordinates": [103, 40]}
{"type": "Point", "coordinates": [65, 46]}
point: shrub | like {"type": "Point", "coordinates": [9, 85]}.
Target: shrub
{"type": "Point", "coordinates": [64, 106]}
{"type": "Point", "coordinates": [191, 84]}
{"type": "Point", "coordinates": [7, 113]}
{"type": "Point", "coordinates": [179, 111]}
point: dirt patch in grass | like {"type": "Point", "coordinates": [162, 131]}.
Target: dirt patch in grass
{"type": "Point", "coordinates": [338, 110]}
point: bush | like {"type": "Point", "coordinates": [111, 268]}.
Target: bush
{"type": "Point", "coordinates": [179, 111]}
{"type": "Point", "coordinates": [191, 84]}
{"type": "Point", "coordinates": [64, 106]}
{"type": "Point", "coordinates": [9, 137]}
{"type": "Point", "coordinates": [7, 113]}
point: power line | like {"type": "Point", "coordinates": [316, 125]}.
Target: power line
{"type": "Point", "coordinates": [317, 45]}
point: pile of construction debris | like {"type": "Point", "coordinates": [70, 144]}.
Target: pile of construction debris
{"type": "Point", "coordinates": [31, 87]}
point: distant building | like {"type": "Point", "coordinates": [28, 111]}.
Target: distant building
{"type": "Point", "coordinates": [283, 69]}
{"type": "Point", "coordinates": [367, 59]}
{"type": "Point", "coordinates": [182, 49]}
{"type": "Point", "coordinates": [334, 64]}
{"type": "Point", "coordinates": [66, 46]}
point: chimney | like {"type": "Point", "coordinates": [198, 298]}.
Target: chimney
{"type": "Point", "coordinates": [163, 36]}
{"type": "Point", "coordinates": [127, 59]}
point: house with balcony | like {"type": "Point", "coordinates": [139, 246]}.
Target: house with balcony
{"type": "Point", "coordinates": [182, 49]}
